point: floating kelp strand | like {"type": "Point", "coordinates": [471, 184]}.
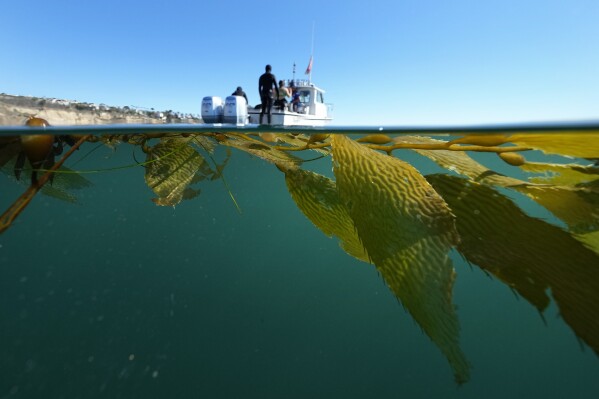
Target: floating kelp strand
{"type": "Point", "coordinates": [255, 147]}
{"type": "Point", "coordinates": [485, 140]}
{"type": "Point", "coordinates": [460, 162]}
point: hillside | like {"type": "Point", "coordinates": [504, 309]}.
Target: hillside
{"type": "Point", "coordinates": [14, 110]}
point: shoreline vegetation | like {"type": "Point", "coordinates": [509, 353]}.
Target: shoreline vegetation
{"type": "Point", "coordinates": [15, 110]}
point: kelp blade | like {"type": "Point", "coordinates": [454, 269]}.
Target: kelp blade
{"type": "Point", "coordinates": [171, 166]}
{"type": "Point", "coordinates": [576, 204]}
{"type": "Point", "coordinates": [583, 145]}
{"type": "Point", "coordinates": [317, 197]}
{"type": "Point", "coordinates": [407, 230]}
{"type": "Point", "coordinates": [529, 255]}
{"type": "Point", "coordinates": [262, 150]}
{"type": "Point", "coordinates": [561, 174]}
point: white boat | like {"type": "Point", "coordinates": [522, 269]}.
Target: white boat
{"type": "Point", "coordinates": [311, 110]}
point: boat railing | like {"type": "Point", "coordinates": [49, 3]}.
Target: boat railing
{"type": "Point", "coordinates": [298, 82]}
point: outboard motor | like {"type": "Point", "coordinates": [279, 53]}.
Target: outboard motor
{"type": "Point", "coordinates": [236, 110]}
{"type": "Point", "coordinates": [212, 110]}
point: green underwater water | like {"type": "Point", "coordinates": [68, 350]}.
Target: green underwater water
{"type": "Point", "coordinates": [116, 297]}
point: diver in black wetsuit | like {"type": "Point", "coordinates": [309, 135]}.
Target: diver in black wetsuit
{"type": "Point", "coordinates": [265, 84]}
{"type": "Point", "coordinates": [239, 92]}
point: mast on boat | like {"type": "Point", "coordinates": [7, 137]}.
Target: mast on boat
{"type": "Point", "coordinates": [309, 69]}
{"type": "Point", "coordinates": [293, 80]}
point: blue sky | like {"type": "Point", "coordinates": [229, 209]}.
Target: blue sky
{"type": "Point", "coordinates": [392, 62]}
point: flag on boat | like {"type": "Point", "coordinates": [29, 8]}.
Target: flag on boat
{"type": "Point", "coordinates": [309, 69]}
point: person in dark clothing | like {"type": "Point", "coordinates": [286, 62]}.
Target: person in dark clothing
{"type": "Point", "coordinates": [239, 92]}
{"type": "Point", "coordinates": [295, 99]}
{"type": "Point", "coordinates": [265, 83]}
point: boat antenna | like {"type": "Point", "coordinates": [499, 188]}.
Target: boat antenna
{"type": "Point", "coordinates": [293, 71]}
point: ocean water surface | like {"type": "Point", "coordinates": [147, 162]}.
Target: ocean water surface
{"type": "Point", "coordinates": [484, 282]}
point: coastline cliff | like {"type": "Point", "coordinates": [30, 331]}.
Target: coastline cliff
{"type": "Point", "coordinates": [14, 110]}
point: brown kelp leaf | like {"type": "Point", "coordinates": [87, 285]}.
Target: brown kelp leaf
{"type": "Point", "coordinates": [529, 255]}
{"type": "Point", "coordinates": [317, 197]}
{"type": "Point", "coordinates": [204, 142]}
{"type": "Point", "coordinates": [190, 193]}
{"type": "Point", "coordinates": [9, 150]}
{"type": "Point", "coordinates": [373, 177]}
{"type": "Point", "coordinates": [64, 181]}
{"type": "Point", "coordinates": [58, 194]}
{"type": "Point", "coordinates": [561, 174]}
{"type": "Point", "coordinates": [422, 276]}
{"type": "Point", "coordinates": [584, 145]}
{"type": "Point", "coordinates": [172, 164]}
{"type": "Point", "coordinates": [407, 230]}
{"type": "Point", "coordinates": [484, 232]}
{"type": "Point", "coordinates": [578, 207]}
{"type": "Point", "coordinates": [590, 240]}
{"type": "Point", "coordinates": [261, 150]}
{"type": "Point", "coordinates": [68, 179]}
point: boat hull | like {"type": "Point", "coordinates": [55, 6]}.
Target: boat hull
{"type": "Point", "coordinates": [288, 118]}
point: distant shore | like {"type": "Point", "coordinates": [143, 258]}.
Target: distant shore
{"type": "Point", "coordinates": [15, 110]}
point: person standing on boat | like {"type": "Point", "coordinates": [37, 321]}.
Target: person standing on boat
{"type": "Point", "coordinates": [265, 83]}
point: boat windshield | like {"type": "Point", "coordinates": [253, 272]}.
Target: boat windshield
{"type": "Point", "coordinates": [304, 96]}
